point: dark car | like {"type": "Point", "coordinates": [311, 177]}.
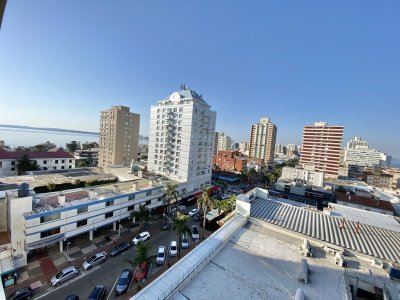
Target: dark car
{"type": "Point", "coordinates": [22, 294]}
{"type": "Point", "coordinates": [198, 217]}
{"type": "Point", "coordinates": [122, 247]}
{"type": "Point", "coordinates": [98, 293]}
{"type": "Point", "coordinates": [72, 297]}
{"type": "Point", "coordinates": [165, 226]}
{"type": "Point", "coordinates": [124, 281]}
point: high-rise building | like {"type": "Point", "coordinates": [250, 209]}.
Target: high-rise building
{"type": "Point", "coordinates": [321, 146]}
{"type": "Point", "coordinates": [119, 136]}
{"type": "Point", "coordinates": [182, 129]}
{"type": "Point", "coordinates": [357, 143]}
{"type": "Point", "coordinates": [244, 147]}
{"type": "Point", "coordinates": [262, 140]}
{"type": "Point", "coordinates": [222, 142]}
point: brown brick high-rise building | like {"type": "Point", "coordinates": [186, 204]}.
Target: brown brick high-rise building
{"type": "Point", "coordinates": [321, 147]}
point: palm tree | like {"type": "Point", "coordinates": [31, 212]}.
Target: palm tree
{"type": "Point", "coordinates": [170, 194]}
{"type": "Point", "coordinates": [205, 202]}
{"type": "Point", "coordinates": [142, 215]}
{"type": "Point", "coordinates": [51, 186]}
{"type": "Point", "coordinates": [25, 164]}
{"type": "Point", "coordinates": [180, 227]}
{"type": "Point", "coordinates": [225, 205]}
{"type": "Point", "coordinates": [142, 255]}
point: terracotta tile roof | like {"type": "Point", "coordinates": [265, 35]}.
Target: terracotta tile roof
{"type": "Point", "coordinates": [385, 205]}
{"type": "Point", "coordinates": [52, 153]}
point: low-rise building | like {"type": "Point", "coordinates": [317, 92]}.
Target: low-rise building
{"type": "Point", "coordinates": [366, 202]}
{"type": "Point", "coordinates": [54, 159]}
{"type": "Point", "coordinates": [305, 176]}
{"type": "Point", "coordinates": [229, 161]}
{"type": "Point", "coordinates": [41, 220]}
{"type": "Point", "coordinates": [89, 156]}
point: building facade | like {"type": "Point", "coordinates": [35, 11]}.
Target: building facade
{"type": "Point", "coordinates": [321, 146]}
{"type": "Point", "coordinates": [181, 138]}
{"type": "Point", "coordinates": [304, 176]}
{"type": "Point", "coordinates": [262, 140]}
{"type": "Point", "coordinates": [222, 142]}
{"type": "Point", "coordinates": [229, 161]}
{"type": "Point", "coordinates": [44, 220]}
{"type": "Point", "coordinates": [54, 159]}
{"type": "Point", "coordinates": [119, 136]}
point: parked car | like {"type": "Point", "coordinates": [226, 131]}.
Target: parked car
{"type": "Point", "coordinates": [166, 226]}
{"type": "Point", "coordinates": [21, 294]}
{"type": "Point", "coordinates": [124, 281]}
{"type": "Point", "coordinates": [141, 271]}
{"type": "Point", "coordinates": [161, 255]}
{"type": "Point", "coordinates": [185, 242]}
{"type": "Point", "coordinates": [198, 217]}
{"type": "Point", "coordinates": [195, 233]}
{"type": "Point", "coordinates": [98, 293]}
{"type": "Point", "coordinates": [173, 249]}
{"type": "Point", "coordinates": [96, 259]}
{"type": "Point", "coordinates": [141, 237]}
{"type": "Point", "coordinates": [72, 297]}
{"type": "Point", "coordinates": [64, 275]}
{"type": "Point", "coordinates": [120, 248]}
{"type": "Point", "coordinates": [193, 211]}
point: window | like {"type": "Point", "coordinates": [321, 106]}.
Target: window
{"type": "Point", "coordinates": [70, 161]}
{"type": "Point", "coordinates": [13, 163]}
{"type": "Point", "coordinates": [62, 161]}
{"type": "Point", "coordinates": [45, 162]}
{"type": "Point", "coordinates": [131, 197]}
{"type": "Point", "coordinates": [148, 193]}
{"type": "Point", "coordinates": [56, 161]}
{"type": "Point", "coordinates": [109, 203]}
{"type": "Point", "coordinates": [70, 167]}
{"type": "Point", "coordinates": [12, 169]}
{"type": "Point", "coordinates": [62, 167]}
{"type": "Point", "coordinates": [108, 215]}
{"type": "Point", "coordinates": [82, 210]}
{"type": "Point", "coordinates": [130, 208]}
{"type": "Point", "coordinates": [148, 202]}
{"type": "Point", "coordinates": [49, 218]}
{"type": "Point", "coordinates": [49, 232]}
{"type": "Point", "coordinates": [81, 223]}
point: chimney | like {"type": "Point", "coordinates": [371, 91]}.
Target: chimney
{"type": "Point", "coordinates": [61, 199]}
{"type": "Point", "coordinates": [116, 189]}
{"type": "Point", "coordinates": [134, 186]}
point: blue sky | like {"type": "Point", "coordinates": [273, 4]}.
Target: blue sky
{"type": "Point", "coordinates": [61, 62]}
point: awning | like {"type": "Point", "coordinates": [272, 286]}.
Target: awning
{"type": "Point", "coordinates": [45, 242]}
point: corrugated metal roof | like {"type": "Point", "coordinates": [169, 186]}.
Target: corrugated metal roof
{"type": "Point", "coordinates": [370, 240]}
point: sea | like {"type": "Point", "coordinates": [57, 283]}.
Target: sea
{"type": "Point", "coordinates": [14, 137]}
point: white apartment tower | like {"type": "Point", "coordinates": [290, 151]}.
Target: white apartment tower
{"type": "Point", "coordinates": [262, 140]}
{"type": "Point", "coordinates": [222, 142]}
{"type": "Point", "coordinates": [181, 137]}
{"type": "Point", "coordinates": [321, 147]}
{"type": "Point", "coordinates": [119, 136]}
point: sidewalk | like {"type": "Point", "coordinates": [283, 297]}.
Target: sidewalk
{"type": "Point", "coordinates": [49, 261]}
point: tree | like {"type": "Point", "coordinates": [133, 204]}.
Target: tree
{"type": "Point", "coordinates": [82, 163]}
{"type": "Point", "coordinates": [51, 186]}
{"type": "Point", "coordinates": [180, 227]}
{"type": "Point", "coordinates": [142, 256]}
{"type": "Point", "coordinates": [142, 215]}
{"type": "Point", "coordinates": [170, 194]}
{"type": "Point", "coordinates": [244, 176]}
{"type": "Point", "coordinates": [205, 202]}
{"type": "Point", "coordinates": [292, 162]}
{"type": "Point", "coordinates": [225, 205]}
{"type": "Point", "coordinates": [25, 164]}
{"type": "Point", "coordinates": [71, 147]}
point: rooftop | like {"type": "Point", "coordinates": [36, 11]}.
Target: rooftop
{"type": "Point", "coordinates": [359, 200]}
{"type": "Point", "coordinates": [52, 153]}
{"type": "Point", "coordinates": [363, 216]}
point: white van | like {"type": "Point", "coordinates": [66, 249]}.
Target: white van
{"type": "Point", "coordinates": [161, 255]}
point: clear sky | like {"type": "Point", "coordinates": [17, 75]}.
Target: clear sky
{"type": "Point", "coordinates": [62, 62]}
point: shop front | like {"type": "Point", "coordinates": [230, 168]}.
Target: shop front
{"type": "Point", "coordinates": [7, 272]}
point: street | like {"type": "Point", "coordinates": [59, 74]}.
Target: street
{"type": "Point", "coordinates": [107, 273]}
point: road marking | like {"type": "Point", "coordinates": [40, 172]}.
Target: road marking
{"type": "Point", "coordinates": [112, 288]}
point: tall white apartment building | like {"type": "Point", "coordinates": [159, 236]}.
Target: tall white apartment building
{"type": "Point", "coordinates": [262, 140]}
{"type": "Point", "coordinates": [181, 137]}
{"type": "Point", "coordinates": [356, 143]}
{"type": "Point", "coordinates": [222, 142]}
{"type": "Point", "coordinates": [119, 136]}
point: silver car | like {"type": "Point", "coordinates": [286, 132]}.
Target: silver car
{"type": "Point", "coordinates": [64, 275]}
{"type": "Point", "coordinates": [96, 259]}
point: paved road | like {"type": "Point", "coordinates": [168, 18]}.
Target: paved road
{"type": "Point", "coordinates": [107, 273]}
